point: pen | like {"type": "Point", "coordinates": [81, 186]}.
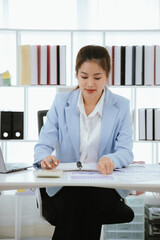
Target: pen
{"type": "Point", "coordinates": [79, 165]}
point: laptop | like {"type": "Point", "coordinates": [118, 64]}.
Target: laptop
{"type": "Point", "coordinates": [12, 167]}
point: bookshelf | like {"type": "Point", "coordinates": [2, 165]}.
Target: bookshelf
{"type": "Point", "coordinates": [74, 40]}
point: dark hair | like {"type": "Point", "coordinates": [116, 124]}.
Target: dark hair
{"type": "Point", "coordinates": [95, 53]}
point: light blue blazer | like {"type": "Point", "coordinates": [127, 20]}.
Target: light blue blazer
{"type": "Point", "coordinates": [62, 127]}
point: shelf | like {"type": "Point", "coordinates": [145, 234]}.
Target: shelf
{"type": "Point", "coordinates": [67, 86]}
{"type": "Point", "coordinates": [17, 140]}
{"type": "Point", "coordinates": [32, 86]}
{"type": "Point", "coordinates": [78, 30]}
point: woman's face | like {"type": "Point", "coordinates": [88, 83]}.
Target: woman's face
{"type": "Point", "coordinates": [91, 78]}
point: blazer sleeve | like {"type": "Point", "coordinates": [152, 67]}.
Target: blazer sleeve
{"type": "Point", "coordinates": [122, 155]}
{"type": "Point", "coordinates": [48, 137]}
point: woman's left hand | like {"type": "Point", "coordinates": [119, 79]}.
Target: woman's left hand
{"type": "Point", "coordinates": [105, 165]}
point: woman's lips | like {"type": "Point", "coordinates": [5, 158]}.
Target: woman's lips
{"type": "Point", "coordinates": [90, 90]}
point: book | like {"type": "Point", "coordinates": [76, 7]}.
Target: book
{"type": "Point", "coordinates": [33, 65]}
{"type": "Point", "coordinates": [24, 74]}
{"type": "Point", "coordinates": [28, 66]}
{"type": "Point", "coordinates": [5, 79]}
{"type": "Point", "coordinates": [149, 65]}
{"type": "Point", "coordinates": [157, 124]}
{"type": "Point", "coordinates": [142, 123]}
{"type": "Point", "coordinates": [157, 65]}
{"type": "Point", "coordinates": [117, 65]}
{"type": "Point", "coordinates": [149, 124]}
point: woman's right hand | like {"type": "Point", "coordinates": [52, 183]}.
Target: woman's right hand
{"type": "Point", "coordinates": [50, 162]}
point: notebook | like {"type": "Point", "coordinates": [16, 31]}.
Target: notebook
{"type": "Point", "coordinates": [78, 166]}
{"type": "Point", "coordinates": [11, 167]}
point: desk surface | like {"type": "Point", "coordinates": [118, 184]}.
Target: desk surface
{"type": "Point", "coordinates": [27, 179]}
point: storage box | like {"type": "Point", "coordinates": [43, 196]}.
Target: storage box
{"type": "Point", "coordinates": [133, 230]}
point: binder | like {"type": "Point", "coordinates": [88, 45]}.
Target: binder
{"type": "Point", "coordinates": [53, 79]}
{"type": "Point", "coordinates": [157, 124]}
{"type": "Point", "coordinates": [11, 125]}
{"type": "Point", "coordinates": [139, 65]}
{"type": "Point", "coordinates": [123, 53]}
{"type": "Point", "coordinates": [42, 65]}
{"type": "Point", "coordinates": [149, 65]}
{"type": "Point", "coordinates": [117, 65]}
{"type": "Point", "coordinates": [142, 124]}
{"type": "Point", "coordinates": [149, 123]}
{"type": "Point", "coordinates": [156, 65]}
{"type": "Point", "coordinates": [62, 65]}
{"type": "Point", "coordinates": [17, 125]}
{"type": "Point", "coordinates": [5, 125]}
{"type": "Point", "coordinates": [129, 65]}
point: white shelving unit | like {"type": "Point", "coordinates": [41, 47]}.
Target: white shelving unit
{"type": "Point", "coordinates": [74, 40]}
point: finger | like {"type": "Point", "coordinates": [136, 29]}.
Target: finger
{"type": "Point", "coordinates": [104, 171]}
{"type": "Point", "coordinates": [43, 165]}
{"type": "Point", "coordinates": [54, 161]}
{"type": "Point", "coordinates": [101, 169]}
{"type": "Point", "coordinates": [108, 169]}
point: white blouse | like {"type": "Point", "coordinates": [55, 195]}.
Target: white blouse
{"type": "Point", "coordinates": [90, 127]}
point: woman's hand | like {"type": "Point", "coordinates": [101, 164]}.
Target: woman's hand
{"type": "Point", "coordinates": [50, 162]}
{"type": "Point", "coordinates": [105, 165]}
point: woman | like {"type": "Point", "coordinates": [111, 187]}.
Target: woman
{"type": "Point", "coordinates": [89, 124]}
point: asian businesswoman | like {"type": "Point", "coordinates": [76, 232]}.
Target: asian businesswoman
{"type": "Point", "coordinates": [89, 124]}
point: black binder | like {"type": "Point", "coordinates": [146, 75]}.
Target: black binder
{"type": "Point", "coordinates": [11, 125]}
{"type": "Point", "coordinates": [17, 125]}
{"type": "Point", "coordinates": [5, 125]}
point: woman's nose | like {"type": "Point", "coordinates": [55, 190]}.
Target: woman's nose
{"type": "Point", "coordinates": [90, 82]}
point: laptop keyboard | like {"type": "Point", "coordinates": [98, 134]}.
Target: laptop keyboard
{"type": "Point", "coordinates": [11, 166]}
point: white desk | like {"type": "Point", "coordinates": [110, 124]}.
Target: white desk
{"type": "Point", "coordinates": [27, 179]}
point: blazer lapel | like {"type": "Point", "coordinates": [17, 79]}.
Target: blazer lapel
{"type": "Point", "coordinates": [109, 117]}
{"type": "Point", "coordinates": [73, 122]}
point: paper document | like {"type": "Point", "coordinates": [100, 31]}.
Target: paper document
{"type": "Point", "coordinates": [93, 176]}
{"type": "Point", "coordinates": [132, 173]}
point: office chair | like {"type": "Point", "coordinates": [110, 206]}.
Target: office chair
{"type": "Point", "coordinates": [41, 114]}
{"type": "Point", "coordinates": [41, 192]}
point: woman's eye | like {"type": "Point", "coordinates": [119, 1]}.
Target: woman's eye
{"type": "Point", "coordinates": [84, 77]}
{"type": "Point", "coordinates": [97, 78]}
